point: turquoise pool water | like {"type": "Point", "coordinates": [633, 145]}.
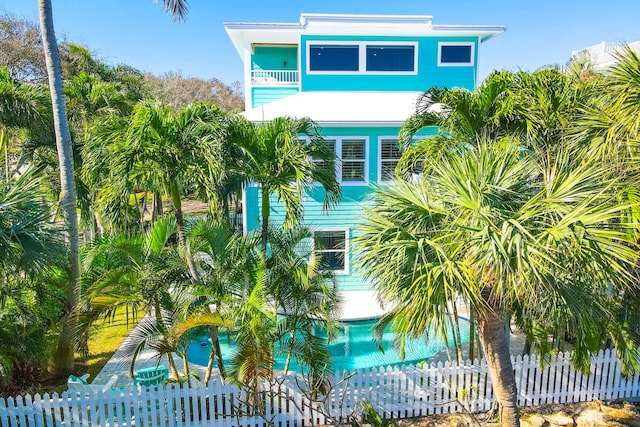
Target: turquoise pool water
{"type": "Point", "coordinates": [352, 348]}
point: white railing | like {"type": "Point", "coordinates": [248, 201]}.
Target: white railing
{"type": "Point", "coordinates": [274, 77]}
{"type": "Point", "coordinates": [393, 392]}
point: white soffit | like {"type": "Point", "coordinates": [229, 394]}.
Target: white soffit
{"type": "Point", "coordinates": [244, 34]}
{"type": "Point", "coordinates": [341, 108]}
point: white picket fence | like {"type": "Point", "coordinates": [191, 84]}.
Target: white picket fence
{"type": "Point", "coordinates": [398, 392]}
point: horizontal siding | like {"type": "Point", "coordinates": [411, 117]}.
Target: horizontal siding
{"type": "Point", "coordinates": [347, 214]}
{"type": "Point", "coordinates": [265, 95]}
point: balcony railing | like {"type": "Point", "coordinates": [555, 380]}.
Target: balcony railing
{"type": "Point", "coordinates": [274, 77]}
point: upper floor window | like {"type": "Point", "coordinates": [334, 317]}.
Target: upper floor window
{"type": "Point", "coordinates": [362, 57]}
{"type": "Point", "coordinates": [331, 144]}
{"type": "Point", "coordinates": [353, 160]}
{"type": "Point", "coordinates": [390, 58]}
{"type": "Point", "coordinates": [455, 53]}
{"type": "Point", "coordinates": [388, 158]}
{"type": "Point", "coordinates": [327, 57]}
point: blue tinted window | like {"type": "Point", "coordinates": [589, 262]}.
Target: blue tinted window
{"type": "Point", "coordinates": [455, 54]}
{"type": "Point", "coordinates": [333, 58]}
{"type": "Point", "coordinates": [390, 58]}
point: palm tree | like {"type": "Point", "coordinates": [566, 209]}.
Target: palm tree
{"type": "Point", "coordinates": [279, 161]}
{"type": "Point", "coordinates": [160, 150]}
{"type": "Point", "coordinates": [30, 247]}
{"type": "Point", "coordinates": [511, 232]}
{"type": "Point", "coordinates": [21, 106]}
{"type": "Point", "coordinates": [62, 361]}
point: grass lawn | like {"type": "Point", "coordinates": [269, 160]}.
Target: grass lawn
{"type": "Point", "coordinates": [104, 340]}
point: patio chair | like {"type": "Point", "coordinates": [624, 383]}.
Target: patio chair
{"type": "Point", "coordinates": [81, 385]}
{"type": "Point", "coordinates": [150, 377]}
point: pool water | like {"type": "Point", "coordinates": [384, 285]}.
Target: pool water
{"type": "Point", "coordinates": [351, 348]}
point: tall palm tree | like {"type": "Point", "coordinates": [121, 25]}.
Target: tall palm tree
{"type": "Point", "coordinates": [510, 231]}
{"type": "Point", "coordinates": [277, 158]}
{"type": "Point", "coordinates": [63, 359]}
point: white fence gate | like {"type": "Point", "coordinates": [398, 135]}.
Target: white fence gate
{"type": "Point", "coordinates": [398, 392]}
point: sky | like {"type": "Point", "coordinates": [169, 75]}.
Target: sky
{"type": "Point", "coordinates": [140, 34]}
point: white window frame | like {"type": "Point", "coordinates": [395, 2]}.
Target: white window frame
{"type": "Point", "coordinates": [362, 56]}
{"type": "Point", "coordinates": [345, 271]}
{"type": "Point", "coordinates": [338, 164]}
{"type": "Point", "coordinates": [472, 58]}
{"type": "Point", "coordinates": [340, 160]}
{"type": "Point", "coordinates": [380, 156]}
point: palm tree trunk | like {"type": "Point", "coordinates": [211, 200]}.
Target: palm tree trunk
{"type": "Point", "coordinates": [177, 204]}
{"type": "Point", "coordinates": [265, 218]}
{"type": "Point", "coordinates": [4, 143]}
{"type": "Point", "coordinates": [63, 358]}
{"type": "Point", "coordinates": [157, 206]}
{"type": "Point", "coordinates": [496, 350]}
{"type": "Point", "coordinates": [216, 353]}
{"type": "Point", "coordinates": [472, 332]}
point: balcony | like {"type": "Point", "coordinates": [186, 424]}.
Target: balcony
{"type": "Point", "coordinates": [602, 55]}
{"type": "Point", "coordinates": [274, 77]}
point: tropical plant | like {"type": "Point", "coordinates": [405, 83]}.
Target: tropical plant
{"type": "Point", "coordinates": [22, 106]}
{"type": "Point", "coordinates": [275, 157]}
{"type": "Point", "coordinates": [159, 150]}
{"type": "Point", "coordinates": [64, 357]}
{"type": "Point", "coordinates": [30, 248]}
{"type": "Point", "coordinates": [511, 232]}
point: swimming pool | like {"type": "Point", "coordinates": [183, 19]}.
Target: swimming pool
{"type": "Point", "coordinates": [352, 348]}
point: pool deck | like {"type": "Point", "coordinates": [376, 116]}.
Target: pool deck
{"type": "Point", "coordinates": [354, 306]}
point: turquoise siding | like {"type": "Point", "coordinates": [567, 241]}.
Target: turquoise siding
{"type": "Point", "coordinates": [349, 211]}
{"type": "Point", "coordinates": [264, 95]}
{"type": "Point", "coordinates": [274, 58]}
{"type": "Point", "coordinates": [429, 74]}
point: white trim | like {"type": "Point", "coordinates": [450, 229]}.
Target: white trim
{"type": "Point", "coordinates": [471, 62]}
{"type": "Point", "coordinates": [346, 231]}
{"type": "Point", "coordinates": [362, 56]}
{"type": "Point", "coordinates": [248, 87]}
{"type": "Point", "coordinates": [245, 230]}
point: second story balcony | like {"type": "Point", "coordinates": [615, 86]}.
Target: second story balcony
{"type": "Point", "coordinates": [275, 77]}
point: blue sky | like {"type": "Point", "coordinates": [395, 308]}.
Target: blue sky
{"type": "Point", "coordinates": [138, 33]}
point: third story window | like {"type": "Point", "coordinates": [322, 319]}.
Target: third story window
{"type": "Point", "coordinates": [455, 54]}
{"type": "Point", "coordinates": [334, 57]}
{"type": "Point", "coordinates": [390, 58]}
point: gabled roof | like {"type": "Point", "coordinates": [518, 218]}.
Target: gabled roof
{"type": "Point", "coordinates": [244, 34]}
{"type": "Point", "coordinates": [329, 108]}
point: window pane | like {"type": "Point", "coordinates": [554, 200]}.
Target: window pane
{"type": "Point", "coordinates": [390, 58]}
{"type": "Point", "coordinates": [389, 149]}
{"type": "Point", "coordinates": [333, 58]}
{"type": "Point", "coordinates": [330, 240]}
{"type": "Point", "coordinates": [387, 169]}
{"type": "Point", "coordinates": [352, 149]}
{"type": "Point", "coordinates": [352, 171]}
{"type": "Point", "coordinates": [455, 54]}
{"type": "Point", "coordinates": [332, 261]}
{"type": "Point", "coordinates": [332, 145]}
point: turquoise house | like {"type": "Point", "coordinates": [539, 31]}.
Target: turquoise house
{"type": "Point", "coordinates": [358, 77]}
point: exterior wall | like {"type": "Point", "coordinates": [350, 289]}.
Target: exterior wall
{"type": "Point", "coordinates": [347, 214]}
{"type": "Point", "coordinates": [264, 95]}
{"type": "Point", "coordinates": [429, 73]}
{"type": "Point", "coordinates": [274, 58]}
